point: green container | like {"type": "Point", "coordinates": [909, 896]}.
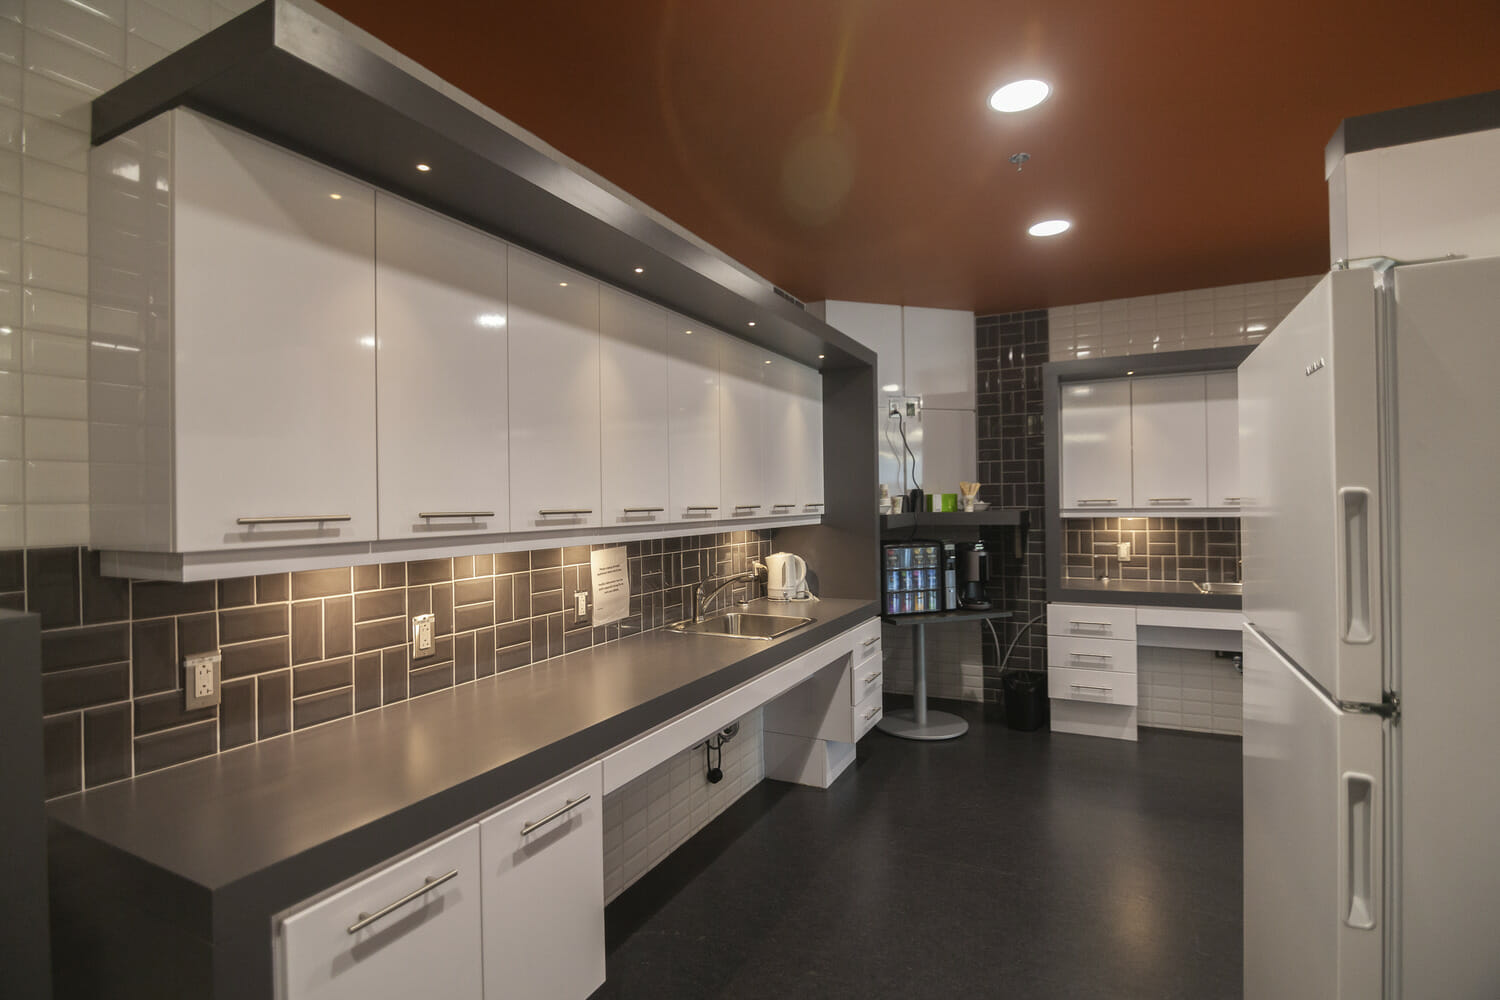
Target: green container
{"type": "Point", "coordinates": [942, 502]}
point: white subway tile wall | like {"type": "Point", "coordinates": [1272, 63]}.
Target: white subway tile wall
{"type": "Point", "coordinates": [1188, 689]}
{"type": "Point", "coordinates": [955, 661]}
{"type": "Point", "coordinates": [653, 815]}
{"type": "Point", "coordinates": [1227, 316]}
{"type": "Point", "coordinates": [55, 57]}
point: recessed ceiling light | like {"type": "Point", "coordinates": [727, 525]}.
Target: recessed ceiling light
{"type": "Point", "coordinates": [768, 362]}
{"type": "Point", "coordinates": [1130, 373]}
{"type": "Point", "coordinates": [562, 284]}
{"type": "Point", "coordinates": [1020, 95]}
{"type": "Point", "coordinates": [423, 167]}
{"type": "Point", "coordinates": [640, 270]}
{"type": "Point", "coordinates": [335, 196]}
{"type": "Point", "coordinates": [893, 387]}
{"type": "Point", "coordinates": [752, 322]}
{"type": "Point", "coordinates": [1050, 227]}
{"type": "Point", "coordinates": [820, 357]}
{"type": "Point", "coordinates": [688, 332]}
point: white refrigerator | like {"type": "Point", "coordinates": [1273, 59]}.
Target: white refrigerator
{"type": "Point", "coordinates": [1370, 457]}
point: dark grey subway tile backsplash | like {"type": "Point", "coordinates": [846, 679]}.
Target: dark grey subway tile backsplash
{"type": "Point", "coordinates": [1192, 549]}
{"type": "Point", "coordinates": [309, 647]}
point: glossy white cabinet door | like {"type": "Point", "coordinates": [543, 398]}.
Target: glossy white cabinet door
{"type": "Point", "coordinates": [809, 384]}
{"type": "Point", "coordinates": [785, 442]}
{"type": "Point", "coordinates": [1223, 439]}
{"type": "Point", "coordinates": [440, 324]}
{"type": "Point", "coordinates": [634, 408]}
{"type": "Point", "coordinates": [693, 395]}
{"type": "Point", "coordinates": [1095, 425]}
{"type": "Point", "coordinates": [428, 946]}
{"type": "Point", "coordinates": [543, 892]}
{"type": "Point", "coordinates": [554, 396]}
{"type": "Point", "coordinates": [938, 348]}
{"type": "Point", "coordinates": [1169, 430]}
{"type": "Point", "coordinates": [743, 491]}
{"type": "Point", "coordinates": [274, 344]}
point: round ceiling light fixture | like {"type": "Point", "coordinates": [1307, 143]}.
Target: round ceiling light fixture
{"type": "Point", "coordinates": [1050, 227]}
{"type": "Point", "coordinates": [1020, 95]}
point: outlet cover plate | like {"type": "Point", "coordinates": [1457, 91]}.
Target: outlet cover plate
{"type": "Point", "coordinates": [200, 682]}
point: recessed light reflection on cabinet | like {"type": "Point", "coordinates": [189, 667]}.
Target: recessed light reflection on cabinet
{"type": "Point", "coordinates": [752, 322]}
{"type": "Point", "coordinates": [336, 196]}
{"type": "Point", "coordinates": [562, 284]}
{"type": "Point", "coordinates": [640, 270]}
{"type": "Point", "coordinates": [492, 321]}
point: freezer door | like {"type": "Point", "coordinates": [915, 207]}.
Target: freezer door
{"type": "Point", "coordinates": [1309, 469]}
{"type": "Point", "coordinates": [1448, 448]}
{"type": "Point", "coordinates": [1314, 836]}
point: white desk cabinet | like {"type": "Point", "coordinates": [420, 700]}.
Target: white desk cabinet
{"type": "Point", "coordinates": [1222, 393]}
{"type": "Point", "coordinates": [634, 409]}
{"type": "Point", "coordinates": [744, 492]}
{"type": "Point", "coordinates": [693, 388]}
{"type": "Point", "coordinates": [417, 932]}
{"type": "Point", "coordinates": [233, 347]}
{"type": "Point", "coordinates": [543, 893]}
{"type": "Point", "coordinates": [441, 328]}
{"type": "Point", "coordinates": [1095, 425]}
{"type": "Point", "coordinates": [1169, 434]}
{"type": "Point", "coordinates": [554, 396]}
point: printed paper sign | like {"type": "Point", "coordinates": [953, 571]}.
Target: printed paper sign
{"type": "Point", "coordinates": [611, 585]}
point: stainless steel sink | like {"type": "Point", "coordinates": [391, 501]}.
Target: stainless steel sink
{"type": "Point", "coordinates": [1220, 588]}
{"type": "Point", "coordinates": [744, 625]}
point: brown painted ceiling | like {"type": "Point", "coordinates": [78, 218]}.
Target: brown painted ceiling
{"type": "Point", "coordinates": [844, 148]}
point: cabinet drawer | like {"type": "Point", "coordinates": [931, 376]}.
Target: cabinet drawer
{"type": "Point", "coordinates": [1102, 686]}
{"type": "Point", "coordinates": [412, 938]}
{"type": "Point", "coordinates": [1096, 621]}
{"type": "Point", "coordinates": [543, 892]}
{"type": "Point", "coordinates": [865, 679]}
{"type": "Point", "coordinates": [866, 639]}
{"type": "Point", "coordinates": [866, 714]}
{"type": "Point", "coordinates": [1114, 655]}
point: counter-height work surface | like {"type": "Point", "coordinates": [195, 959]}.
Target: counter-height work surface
{"type": "Point", "coordinates": [177, 879]}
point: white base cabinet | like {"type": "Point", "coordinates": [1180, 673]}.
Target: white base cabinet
{"type": "Point", "coordinates": [810, 731]}
{"type": "Point", "coordinates": [1091, 669]}
{"type": "Point", "coordinates": [420, 934]}
{"type": "Point", "coordinates": [543, 893]}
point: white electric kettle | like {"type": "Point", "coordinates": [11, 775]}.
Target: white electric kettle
{"type": "Point", "coordinates": [786, 577]}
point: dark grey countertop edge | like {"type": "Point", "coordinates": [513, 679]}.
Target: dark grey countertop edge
{"type": "Point", "coordinates": [241, 909]}
{"type": "Point", "coordinates": [1212, 602]}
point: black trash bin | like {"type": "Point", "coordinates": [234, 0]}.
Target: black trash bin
{"type": "Point", "coordinates": [1025, 699]}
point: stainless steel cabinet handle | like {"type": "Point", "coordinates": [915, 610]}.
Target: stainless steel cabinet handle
{"type": "Point", "coordinates": [780, 505]}
{"type": "Point", "coordinates": [814, 503]}
{"type": "Point", "coordinates": [294, 519]}
{"type": "Point", "coordinates": [644, 510]}
{"type": "Point", "coordinates": [1091, 687]}
{"type": "Point", "coordinates": [702, 506]}
{"type": "Point", "coordinates": [1100, 500]}
{"type": "Point", "coordinates": [433, 881]}
{"type": "Point", "coordinates": [872, 713]}
{"type": "Point", "coordinates": [457, 513]}
{"type": "Point", "coordinates": [561, 810]}
{"type": "Point", "coordinates": [747, 506]}
{"type": "Point", "coordinates": [1075, 621]}
{"type": "Point", "coordinates": [560, 511]}
{"type": "Point", "coordinates": [1171, 499]}
{"type": "Point", "coordinates": [1096, 656]}
{"type": "Point", "coordinates": [1231, 499]}
{"type": "Point", "coordinates": [872, 640]}
{"type": "Point", "coordinates": [873, 677]}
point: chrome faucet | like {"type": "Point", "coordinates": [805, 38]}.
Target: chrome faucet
{"type": "Point", "coordinates": [756, 572]}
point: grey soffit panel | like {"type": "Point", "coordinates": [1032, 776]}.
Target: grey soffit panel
{"type": "Point", "coordinates": [1454, 116]}
{"type": "Point", "coordinates": [281, 72]}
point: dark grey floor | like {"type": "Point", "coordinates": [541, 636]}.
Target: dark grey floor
{"type": "Point", "coordinates": [1003, 864]}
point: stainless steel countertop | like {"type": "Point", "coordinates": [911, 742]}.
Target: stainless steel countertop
{"type": "Point", "coordinates": [341, 794]}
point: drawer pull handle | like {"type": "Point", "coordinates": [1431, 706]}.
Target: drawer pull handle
{"type": "Point", "coordinates": [294, 519]}
{"type": "Point", "coordinates": [1096, 656]}
{"type": "Point", "coordinates": [872, 678]}
{"type": "Point", "coordinates": [644, 510]}
{"type": "Point", "coordinates": [779, 506]}
{"type": "Point", "coordinates": [813, 503]}
{"type": "Point", "coordinates": [1092, 624]}
{"type": "Point", "coordinates": [746, 506]}
{"type": "Point", "coordinates": [1231, 499]}
{"type": "Point", "coordinates": [702, 506]}
{"type": "Point", "coordinates": [433, 881]}
{"type": "Point", "coordinates": [560, 811]}
{"type": "Point", "coordinates": [872, 713]}
{"type": "Point", "coordinates": [566, 511]}
{"type": "Point", "coordinates": [871, 641]}
{"type": "Point", "coordinates": [1171, 499]}
{"type": "Point", "coordinates": [1090, 687]}
{"type": "Point", "coordinates": [1100, 500]}
{"type": "Point", "coordinates": [456, 513]}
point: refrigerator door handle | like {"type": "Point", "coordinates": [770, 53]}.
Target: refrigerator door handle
{"type": "Point", "coordinates": [1354, 511]}
{"type": "Point", "coordinates": [1359, 817]}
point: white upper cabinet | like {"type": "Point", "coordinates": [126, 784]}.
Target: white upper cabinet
{"type": "Point", "coordinates": [693, 396]}
{"type": "Point", "coordinates": [1095, 426]}
{"type": "Point", "coordinates": [441, 330]}
{"type": "Point", "coordinates": [554, 396]}
{"type": "Point", "coordinates": [809, 402]}
{"type": "Point", "coordinates": [273, 333]}
{"type": "Point", "coordinates": [938, 348]}
{"type": "Point", "coordinates": [744, 492]}
{"type": "Point", "coordinates": [785, 437]}
{"type": "Point", "coordinates": [1221, 390]}
{"type": "Point", "coordinates": [634, 407]}
{"type": "Point", "coordinates": [1169, 435]}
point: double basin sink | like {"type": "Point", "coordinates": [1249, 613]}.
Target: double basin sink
{"type": "Point", "coordinates": [743, 625]}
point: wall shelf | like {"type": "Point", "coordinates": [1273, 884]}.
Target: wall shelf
{"type": "Point", "coordinates": [994, 517]}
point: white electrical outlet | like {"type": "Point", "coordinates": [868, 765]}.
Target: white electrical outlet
{"type": "Point", "coordinates": [200, 686]}
{"type": "Point", "coordinates": [1122, 549]}
{"type": "Point", "coordinates": [421, 635]}
{"type": "Point", "coordinates": [581, 603]}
